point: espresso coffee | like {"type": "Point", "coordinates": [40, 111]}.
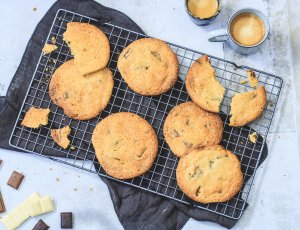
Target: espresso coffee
{"type": "Point", "coordinates": [203, 8]}
{"type": "Point", "coordinates": [247, 29]}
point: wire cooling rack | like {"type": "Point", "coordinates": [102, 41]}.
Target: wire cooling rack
{"type": "Point", "coordinates": [160, 179]}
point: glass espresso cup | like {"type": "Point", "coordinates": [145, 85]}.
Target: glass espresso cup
{"type": "Point", "coordinates": [246, 30]}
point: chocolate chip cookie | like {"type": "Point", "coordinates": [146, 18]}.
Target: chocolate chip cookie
{"type": "Point", "coordinates": [187, 126]}
{"type": "Point", "coordinates": [209, 174]}
{"type": "Point", "coordinates": [149, 66]}
{"type": "Point", "coordinates": [125, 144]}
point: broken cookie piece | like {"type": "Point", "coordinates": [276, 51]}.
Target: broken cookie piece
{"type": "Point", "coordinates": [246, 107]}
{"type": "Point", "coordinates": [49, 48]}
{"type": "Point", "coordinates": [60, 136]}
{"type": "Point", "coordinates": [203, 87]}
{"type": "Point", "coordinates": [89, 45]}
{"type": "Point", "coordinates": [253, 137]}
{"type": "Point", "coordinates": [253, 81]}
{"type": "Point", "coordinates": [36, 117]}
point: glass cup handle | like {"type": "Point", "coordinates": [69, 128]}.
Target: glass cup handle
{"type": "Point", "coordinates": [219, 35]}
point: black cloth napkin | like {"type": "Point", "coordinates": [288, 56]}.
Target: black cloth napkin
{"type": "Point", "coordinates": [136, 209]}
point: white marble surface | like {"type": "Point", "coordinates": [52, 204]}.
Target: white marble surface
{"type": "Point", "coordinates": [274, 199]}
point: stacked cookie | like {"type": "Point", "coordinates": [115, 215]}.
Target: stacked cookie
{"type": "Point", "coordinates": [83, 86]}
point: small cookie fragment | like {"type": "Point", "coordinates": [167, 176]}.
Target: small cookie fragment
{"type": "Point", "coordinates": [35, 117]}
{"type": "Point", "coordinates": [203, 87]}
{"type": "Point", "coordinates": [49, 48]}
{"type": "Point", "coordinates": [210, 174]}
{"type": "Point", "coordinates": [252, 79]}
{"type": "Point", "coordinates": [246, 107]}
{"type": "Point", "coordinates": [187, 126]}
{"type": "Point", "coordinates": [60, 136]}
{"type": "Point", "coordinates": [253, 137]}
{"type": "Point", "coordinates": [2, 206]}
{"type": "Point", "coordinates": [15, 180]}
{"type": "Point", "coordinates": [66, 220]}
{"type": "Point", "coordinates": [41, 225]}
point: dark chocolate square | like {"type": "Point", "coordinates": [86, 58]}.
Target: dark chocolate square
{"type": "Point", "coordinates": [66, 220]}
{"type": "Point", "coordinates": [15, 179]}
{"type": "Point", "coordinates": [2, 206]}
{"type": "Point", "coordinates": [41, 225]}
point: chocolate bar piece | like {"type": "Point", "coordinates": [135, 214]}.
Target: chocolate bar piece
{"type": "Point", "coordinates": [41, 225]}
{"type": "Point", "coordinates": [66, 220]}
{"type": "Point", "coordinates": [15, 180]}
{"type": "Point", "coordinates": [2, 206]}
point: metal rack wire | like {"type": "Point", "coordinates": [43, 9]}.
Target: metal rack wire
{"type": "Point", "coordinates": [160, 179]}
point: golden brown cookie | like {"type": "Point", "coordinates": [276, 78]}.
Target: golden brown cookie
{"type": "Point", "coordinates": [89, 45]}
{"type": "Point", "coordinates": [81, 97]}
{"type": "Point", "coordinates": [187, 126]}
{"type": "Point", "coordinates": [35, 117]}
{"type": "Point", "coordinates": [60, 136]}
{"type": "Point", "coordinates": [125, 144]}
{"type": "Point", "coordinates": [203, 87]}
{"type": "Point", "coordinates": [210, 174]}
{"type": "Point", "coordinates": [246, 107]}
{"type": "Point", "coordinates": [149, 66]}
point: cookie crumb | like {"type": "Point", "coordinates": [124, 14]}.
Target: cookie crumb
{"type": "Point", "coordinates": [91, 189]}
{"type": "Point", "coordinates": [60, 136]}
{"type": "Point", "coordinates": [34, 9]}
{"type": "Point", "coordinates": [72, 147]}
{"type": "Point", "coordinates": [253, 137]}
{"type": "Point", "coordinates": [57, 179]}
{"type": "Point", "coordinates": [252, 79]}
{"type": "Point", "coordinates": [53, 40]}
{"type": "Point", "coordinates": [243, 81]}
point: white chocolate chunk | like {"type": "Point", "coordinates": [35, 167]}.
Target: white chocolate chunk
{"type": "Point", "coordinates": [35, 208]}
{"type": "Point", "coordinates": [21, 213]}
{"type": "Point", "coordinates": [8, 222]}
{"type": "Point", "coordinates": [17, 216]}
{"type": "Point", "coordinates": [46, 204]}
{"type": "Point", "coordinates": [27, 204]}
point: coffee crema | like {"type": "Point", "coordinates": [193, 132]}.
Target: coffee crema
{"type": "Point", "coordinates": [203, 8]}
{"type": "Point", "coordinates": [247, 29]}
